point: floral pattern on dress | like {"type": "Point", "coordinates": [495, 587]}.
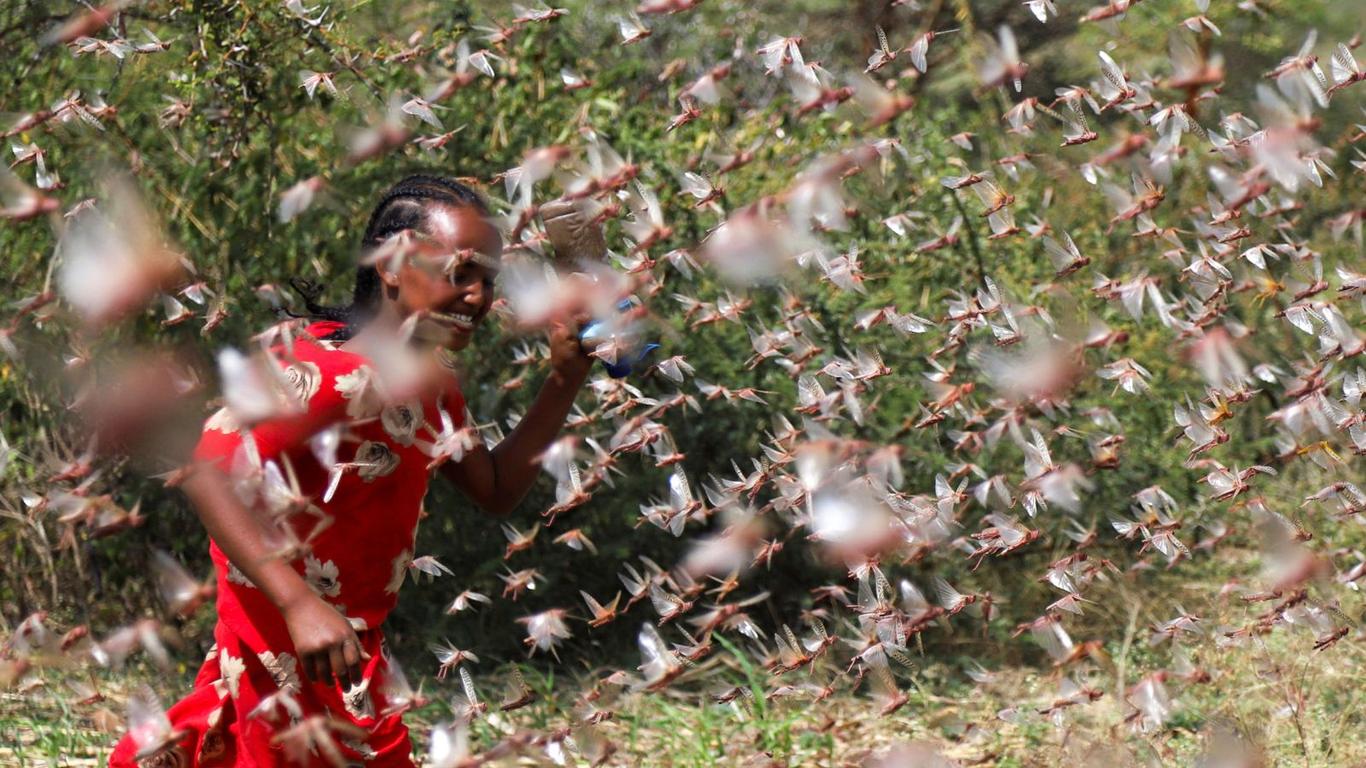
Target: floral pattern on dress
{"type": "Point", "coordinates": [213, 746]}
{"type": "Point", "coordinates": [231, 669]}
{"type": "Point", "coordinates": [284, 668]}
{"type": "Point", "coordinates": [322, 576]}
{"type": "Point", "coordinates": [304, 379]}
{"type": "Point", "coordinates": [357, 700]}
{"type": "Point", "coordinates": [358, 390]}
{"type": "Point", "coordinates": [375, 459]}
{"type": "Point", "coordinates": [402, 421]}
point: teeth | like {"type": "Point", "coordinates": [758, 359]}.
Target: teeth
{"type": "Point", "coordinates": [459, 320]}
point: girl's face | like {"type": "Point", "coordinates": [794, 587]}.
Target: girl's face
{"type": "Point", "coordinates": [455, 296]}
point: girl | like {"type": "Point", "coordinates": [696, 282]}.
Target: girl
{"type": "Point", "coordinates": [297, 671]}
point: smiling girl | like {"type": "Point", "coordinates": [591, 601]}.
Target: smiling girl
{"type": "Point", "coordinates": [312, 515]}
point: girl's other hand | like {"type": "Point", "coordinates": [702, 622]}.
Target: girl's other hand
{"type": "Point", "coordinates": [327, 645]}
{"type": "Point", "coordinates": [568, 358]}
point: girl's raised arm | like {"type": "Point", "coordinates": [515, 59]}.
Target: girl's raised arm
{"type": "Point", "coordinates": [497, 480]}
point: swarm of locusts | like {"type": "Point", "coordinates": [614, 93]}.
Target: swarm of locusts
{"type": "Point", "coordinates": [1254, 286]}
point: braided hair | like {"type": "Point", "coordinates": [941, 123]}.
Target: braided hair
{"type": "Point", "coordinates": [404, 206]}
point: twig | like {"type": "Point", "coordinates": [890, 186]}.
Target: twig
{"type": "Point", "coordinates": [972, 237]}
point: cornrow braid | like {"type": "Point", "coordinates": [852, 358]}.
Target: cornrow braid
{"type": "Point", "coordinates": [403, 206]}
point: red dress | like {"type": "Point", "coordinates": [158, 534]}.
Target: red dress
{"type": "Point", "coordinates": [250, 689]}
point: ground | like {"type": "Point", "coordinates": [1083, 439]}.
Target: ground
{"type": "Point", "coordinates": [1297, 707]}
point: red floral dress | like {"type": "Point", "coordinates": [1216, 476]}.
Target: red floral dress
{"type": "Point", "coordinates": [250, 691]}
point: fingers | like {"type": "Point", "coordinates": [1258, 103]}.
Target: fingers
{"type": "Point", "coordinates": [351, 651]}
{"type": "Point", "coordinates": [566, 336]}
{"type": "Point", "coordinates": [571, 316]}
{"type": "Point", "coordinates": [315, 666]}
{"type": "Point", "coordinates": [337, 664]}
{"type": "Point", "coordinates": [322, 668]}
{"type": "Point", "coordinates": [341, 662]}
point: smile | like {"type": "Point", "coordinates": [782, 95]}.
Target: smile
{"type": "Point", "coordinates": [458, 321]}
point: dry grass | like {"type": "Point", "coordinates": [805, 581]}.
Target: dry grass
{"type": "Point", "coordinates": [1295, 707]}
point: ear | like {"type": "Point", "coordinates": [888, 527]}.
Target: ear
{"type": "Point", "coordinates": [388, 277]}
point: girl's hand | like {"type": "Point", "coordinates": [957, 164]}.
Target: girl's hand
{"type": "Point", "coordinates": [327, 645]}
{"type": "Point", "coordinates": [568, 358]}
